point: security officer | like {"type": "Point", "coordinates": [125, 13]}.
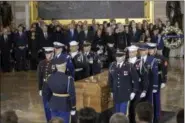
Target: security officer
{"type": "Point", "coordinates": [152, 67]}
{"type": "Point", "coordinates": [61, 94]}
{"type": "Point", "coordinates": [81, 65]}
{"type": "Point", "coordinates": [21, 45]}
{"type": "Point", "coordinates": [92, 58]}
{"type": "Point", "coordinates": [121, 76]}
{"type": "Point", "coordinates": [44, 69]}
{"type": "Point", "coordinates": [143, 79]}
{"type": "Point", "coordinates": [60, 55]}
{"type": "Point", "coordinates": [162, 78]}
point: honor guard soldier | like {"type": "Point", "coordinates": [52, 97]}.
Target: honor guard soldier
{"type": "Point", "coordinates": [123, 81]}
{"type": "Point", "coordinates": [44, 69]}
{"type": "Point", "coordinates": [143, 80]}
{"type": "Point", "coordinates": [80, 63]}
{"type": "Point", "coordinates": [61, 92]}
{"type": "Point", "coordinates": [162, 78]}
{"type": "Point", "coordinates": [152, 67]}
{"type": "Point", "coordinates": [60, 55]}
{"type": "Point", "coordinates": [92, 58]}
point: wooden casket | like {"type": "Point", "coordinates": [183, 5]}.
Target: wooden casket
{"type": "Point", "coordinates": [93, 92]}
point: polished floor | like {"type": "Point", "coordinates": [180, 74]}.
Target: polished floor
{"type": "Point", "coordinates": [19, 91]}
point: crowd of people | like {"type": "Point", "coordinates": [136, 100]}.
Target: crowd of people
{"type": "Point", "coordinates": [143, 111]}
{"type": "Point", "coordinates": [22, 49]}
{"type": "Point", "coordinates": [134, 55]}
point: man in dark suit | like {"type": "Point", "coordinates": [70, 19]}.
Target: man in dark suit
{"type": "Point", "coordinates": [135, 33]}
{"type": "Point", "coordinates": [5, 49]}
{"type": "Point", "coordinates": [6, 13]}
{"type": "Point", "coordinates": [72, 35]}
{"type": "Point", "coordinates": [86, 35]}
{"type": "Point", "coordinates": [21, 47]}
{"type": "Point", "coordinates": [121, 39]}
{"type": "Point", "coordinates": [45, 40]}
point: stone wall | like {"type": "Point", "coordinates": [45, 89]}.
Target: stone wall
{"type": "Point", "coordinates": [18, 8]}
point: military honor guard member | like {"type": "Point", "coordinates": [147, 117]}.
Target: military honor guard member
{"type": "Point", "coordinates": [143, 79]}
{"type": "Point", "coordinates": [44, 70]}
{"type": "Point", "coordinates": [92, 58]}
{"type": "Point", "coordinates": [123, 81]}
{"type": "Point", "coordinates": [81, 65]}
{"type": "Point", "coordinates": [60, 55]}
{"type": "Point", "coordinates": [162, 78]}
{"type": "Point", "coordinates": [152, 66]}
{"type": "Point", "coordinates": [61, 92]}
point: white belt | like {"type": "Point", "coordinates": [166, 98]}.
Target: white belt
{"type": "Point", "coordinates": [78, 69]}
{"type": "Point", "coordinates": [159, 72]}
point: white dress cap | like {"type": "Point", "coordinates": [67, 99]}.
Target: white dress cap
{"type": "Point", "coordinates": [73, 43]}
{"type": "Point", "coordinates": [57, 44]}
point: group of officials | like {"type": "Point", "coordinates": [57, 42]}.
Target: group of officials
{"type": "Point", "coordinates": [137, 72]}
{"type": "Point", "coordinates": [21, 49]}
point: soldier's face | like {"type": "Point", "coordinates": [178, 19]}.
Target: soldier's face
{"type": "Point", "coordinates": [143, 52]}
{"type": "Point", "coordinates": [120, 59]}
{"type": "Point", "coordinates": [49, 56]}
{"type": "Point", "coordinates": [151, 51]}
{"type": "Point", "coordinates": [58, 50]}
{"type": "Point", "coordinates": [73, 48]}
{"type": "Point", "coordinates": [87, 49]}
{"type": "Point", "coordinates": [132, 54]}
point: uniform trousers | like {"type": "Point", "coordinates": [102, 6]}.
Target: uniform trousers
{"type": "Point", "coordinates": [64, 115]}
{"type": "Point", "coordinates": [122, 107]}
{"type": "Point", "coordinates": [157, 106]}
{"type": "Point", "coordinates": [46, 109]}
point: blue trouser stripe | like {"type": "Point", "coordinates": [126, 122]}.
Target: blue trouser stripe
{"type": "Point", "coordinates": [122, 107]}
{"type": "Point", "coordinates": [46, 109]}
{"type": "Point", "coordinates": [64, 115]}
{"type": "Point", "coordinates": [157, 105]}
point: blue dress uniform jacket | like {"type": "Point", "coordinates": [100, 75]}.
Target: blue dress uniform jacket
{"type": "Point", "coordinates": [152, 65]}
{"type": "Point", "coordinates": [143, 73]}
{"type": "Point", "coordinates": [95, 67]}
{"type": "Point", "coordinates": [120, 81]}
{"type": "Point", "coordinates": [63, 96]}
{"type": "Point", "coordinates": [162, 78]}
{"type": "Point", "coordinates": [70, 70]}
{"type": "Point", "coordinates": [81, 65]}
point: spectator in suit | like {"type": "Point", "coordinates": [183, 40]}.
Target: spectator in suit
{"type": "Point", "coordinates": [144, 112]}
{"type": "Point", "coordinates": [119, 118]}
{"type": "Point", "coordinates": [87, 115]}
{"type": "Point", "coordinates": [72, 34]}
{"type": "Point", "coordinates": [86, 35]}
{"type": "Point", "coordinates": [58, 35]}
{"type": "Point", "coordinates": [135, 33]}
{"type": "Point", "coordinates": [5, 49]}
{"type": "Point", "coordinates": [128, 36]}
{"type": "Point", "coordinates": [9, 117]}
{"type": "Point", "coordinates": [180, 116]}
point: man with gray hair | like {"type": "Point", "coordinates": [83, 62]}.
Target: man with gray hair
{"type": "Point", "coordinates": [119, 118]}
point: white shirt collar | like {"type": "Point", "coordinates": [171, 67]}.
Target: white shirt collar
{"type": "Point", "coordinates": [73, 54]}
{"type": "Point", "coordinates": [144, 57]}
{"type": "Point", "coordinates": [132, 60]}
{"type": "Point", "coordinates": [120, 64]}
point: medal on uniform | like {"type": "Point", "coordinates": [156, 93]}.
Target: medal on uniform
{"type": "Point", "coordinates": [125, 73]}
{"type": "Point", "coordinates": [33, 35]}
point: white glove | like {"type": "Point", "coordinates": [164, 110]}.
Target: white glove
{"type": "Point", "coordinates": [163, 85]}
{"type": "Point", "coordinates": [40, 93]}
{"type": "Point", "coordinates": [143, 94]}
{"type": "Point", "coordinates": [73, 112]}
{"type": "Point", "coordinates": [154, 91]}
{"type": "Point", "coordinates": [132, 95]}
{"type": "Point", "coordinates": [111, 95]}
